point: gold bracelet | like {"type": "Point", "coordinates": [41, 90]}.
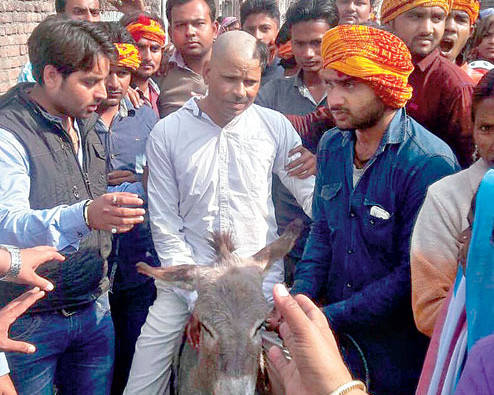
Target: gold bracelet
{"type": "Point", "coordinates": [350, 386]}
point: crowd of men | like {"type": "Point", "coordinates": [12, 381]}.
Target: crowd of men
{"type": "Point", "coordinates": [124, 143]}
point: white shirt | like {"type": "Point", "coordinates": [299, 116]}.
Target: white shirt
{"type": "Point", "coordinates": [205, 178]}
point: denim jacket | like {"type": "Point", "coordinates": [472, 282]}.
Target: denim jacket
{"type": "Point", "coordinates": [356, 260]}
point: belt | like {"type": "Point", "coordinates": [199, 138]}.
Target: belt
{"type": "Point", "coordinates": [69, 311]}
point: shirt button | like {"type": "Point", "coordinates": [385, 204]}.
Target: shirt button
{"type": "Point", "coordinates": [372, 222]}
{"type": "Point", "coordinates": [352, 214]}
{"type": "Point", "coordinates": [80, 235]}
{"type": "Point", "coordinates": [112, 156]}
{"type": "Point", "coordinates": [349, 285]}
{"type": "Point", "coordinates": [350, 251]}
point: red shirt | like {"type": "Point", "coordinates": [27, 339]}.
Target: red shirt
{"type": "Point", "coordinates": [441, 101]}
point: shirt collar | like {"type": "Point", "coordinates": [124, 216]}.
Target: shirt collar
{"type": "Point", "coordinates": [426, 62]}
{"type": "Point", "coordinates": [154, 86]}
{"type": "Point", "coordinates": [394, 134]}
{"type": "Point", "coordinates": [192, 105]}
{"type": "Point", "coordinates": [298, 79]}
{"type": "Point", "coordinates": [298, 82]}
{"type": "Point", "coordinates": [396, 130]}
{"type": "Point", "coordinates": [179, 61]}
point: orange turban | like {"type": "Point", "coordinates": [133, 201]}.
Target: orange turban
{"type": "Point", "coordinates": [471, 7]}
{"type": "Point", "coordinates": [285, 50]}
{"type": "Point", "coordinates": [147, 28]}
{"type": "Point", "coordinates": [373, 55]}
{"type": "Point", "coordinates": [128, 56]}
{"type": "Point", "coordinates": [390, 9]}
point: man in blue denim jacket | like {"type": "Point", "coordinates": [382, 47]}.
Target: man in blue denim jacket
{"type": "Point", "coordinates": [373, 172]}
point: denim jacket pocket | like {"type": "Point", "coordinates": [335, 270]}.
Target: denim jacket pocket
{"type": "Point", "coordinates": [329, 191]}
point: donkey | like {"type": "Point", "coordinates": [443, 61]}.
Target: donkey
{"type": "Point", "coordinates": [231, 310]}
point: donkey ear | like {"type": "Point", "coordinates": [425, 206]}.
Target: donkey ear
{"type": "Point", "coordinates": [181, 276]}
{"type": "Point", "coordinates": [279, 248]}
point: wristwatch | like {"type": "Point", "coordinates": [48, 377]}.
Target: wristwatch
{"type": "Point", "coordinates": [15, 261]}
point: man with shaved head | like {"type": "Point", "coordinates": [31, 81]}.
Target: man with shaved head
{"type": "Point", "coordinates": [210, 169]}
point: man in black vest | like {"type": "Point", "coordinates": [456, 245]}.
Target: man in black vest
{"type": "Point", "coordinates": [53, 191]}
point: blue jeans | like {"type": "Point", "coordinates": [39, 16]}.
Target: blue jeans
{"type": "Point", "coordinates": [75, 353]}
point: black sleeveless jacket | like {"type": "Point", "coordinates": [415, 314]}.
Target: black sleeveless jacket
{"type": "Point", "coordinates": [56, 178]}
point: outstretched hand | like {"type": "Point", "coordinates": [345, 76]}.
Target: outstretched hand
{"type": "Point", "coordinates": [317, 366]}
{"type": "Point", "coordinates": [31, 259]}
{"type": "Point", "coordinates": [10, 313]}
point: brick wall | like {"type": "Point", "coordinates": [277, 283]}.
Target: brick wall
{"type": "Point", "coordinates": [18, 18]}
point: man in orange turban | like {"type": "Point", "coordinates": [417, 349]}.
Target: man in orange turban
{"type": "Point", "coordinates": [441, 90]}
{"type": "Point", "coordinates": [374, 169]}
{"type": "Point", "coordinates": [148, 32]}
{"type": "Point", "coordinates": [459, 28]}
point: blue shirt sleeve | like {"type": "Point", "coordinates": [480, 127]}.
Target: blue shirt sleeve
{"type": "Point", "coordinates": [62, 227]}
{"type": "Point", "coordinates": [131, 187]}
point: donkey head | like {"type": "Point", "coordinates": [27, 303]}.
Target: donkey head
{"type": "Point", "coordinates": [231, 309]}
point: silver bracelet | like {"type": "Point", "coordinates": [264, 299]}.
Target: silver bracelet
{"type": "Point", "coordinates": [350, 386]}
{"type": "Point", "coordinates": [15, 262]}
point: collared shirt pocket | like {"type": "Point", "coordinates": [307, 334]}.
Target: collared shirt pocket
{"type": "Point", "coordinates": [378, 225]}
{"type": "Point", "coordinates": [329, 195]}
{"type": "Point", "coordinates": [329, 191]}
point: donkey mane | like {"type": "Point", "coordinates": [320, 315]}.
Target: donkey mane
{"type": "Point", "coordinates": [223, 246]}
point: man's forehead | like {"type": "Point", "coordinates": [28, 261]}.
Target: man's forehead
{"type": "Point", "coordinates": [190, 11]}
{"type": "Point", "coordinates": [422, 10]}
{"type": "Point", "coordinates": [454, 12]}
{"type": "Point", "coordinates": [259, 18]}
{"type": "Point", "coordinates": [335, 75]}
{"type": "Point", "coordinates": [146, 42]}
{"type": "Point", "coordinates": [115, 68]}
{"type": "Point", "coordinates": [91, 4]}
{"type": "Point", "coordinates": [101, 67]}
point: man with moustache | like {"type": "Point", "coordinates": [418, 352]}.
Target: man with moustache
{"type": "Point", "coordinates": [442, 92]}
{"type": "Point", "coordinates": [373, 172]}
{"type": "Point", "coordinates": [123, 130]}
{"type": "Point", "coordinates": [53, 192]}
{"type": "Point", "coordinates": [210, 169]}
{"type": "Point", "coordinates": [192, 29]}
{"type": "Point", "coordinates": [354, 12]}
{"type": "Point", "coordinates": [459, 28]}
{"type": "Point", "coordinates": [261, 18]}
{"type": "Point", "coordinates": [149, 35]}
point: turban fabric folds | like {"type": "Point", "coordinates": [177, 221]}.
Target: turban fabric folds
{"type": "Point", "coordinates": [147, 28]}
{"type": "Point", "coordinates": [285, 50]}
{"type": "Point", "coordinates": [128, 56]}
{"type": "Point", "coordinates": [377, 57]}
{"type": "Point", "coordinates": [390, 9]}
{"type": "Point", "coordinates": [471, 7]}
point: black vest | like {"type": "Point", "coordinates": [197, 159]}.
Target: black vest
{"type": "Point", "coordinates": [56, 179]}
